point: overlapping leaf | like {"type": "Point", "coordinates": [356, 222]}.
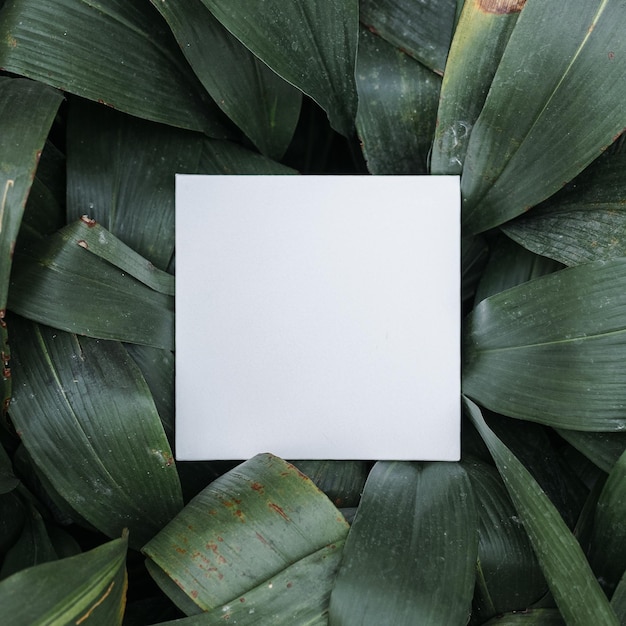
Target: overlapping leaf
{"type": "Point", "coordinates": [86, 281]}
{"type": "Point", "coordinates": [479, 40]}
{"type": "Point", "coordinates": [260, 544]}
{"type": "Point", "coordinates": [423, 29]}
{"type": "Point", "coordinates": [397, 107]}
{"type": "Point", "coordinates": [262, 104]}
{"type": "Point", "coordinates": [551, 350]}
{"type": "Point", "coordinates": [86, 416]}
{"type": "Point", "coordinates": [115, 52]}
{"type": "Point", "coordinates": [26, 113]}
{"type": "Point", "coordinates": [585, 222]}
{"type": "Point", "coordinates": [312, 45]}
{"type": "Point", "coordinates": [574, 586]}
{"type": "Point", "coordinates": [561, 68]}
{"type": "Point", "coordinates": [88, 589]}
{"type": "Point", "coordinates": [411, 553]}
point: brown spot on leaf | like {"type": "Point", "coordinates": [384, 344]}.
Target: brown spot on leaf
{"type": "Point", "coordinates": [242, 599]}
{"type": "Point", "coordinates": [611, 56]}
{"type": "Point", "coordinates": [501, 7]}
{"type": "Point", "coordinates": [194, 593]}
{"type": "Point", "coordinates": [261, 538]}
{"type": "Point", "coordinates": [258, 487]}
{"type": "Point", "coordinates": [88, 220]}
{"type": "Point", "coordinates": [278, 510]}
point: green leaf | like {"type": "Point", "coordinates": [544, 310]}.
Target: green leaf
{"type": "Point", "coordinates": [311, 45]}
{"type": "Point", "coordinates": [120, 172]}
{"type": "Point", "coordinates": [12, 520]}
{"type": "Point", "coordinates": [32, 548]}
{"type": "Point", "coordinates": [572, 583]}
{"type": "Point", "coordinates": [562, 67]}
{"type": "Point", "coordinates": [62, 281]}
{"type": "Point", "coordinates": [86, 416]}
{"type": "Point", "coordinates": [603, 449]}
{"type": "Point", "coordinates": [225, 157]}
{"type": "Point", "coordinates": [115, 52]}
{"type": "Point", "coordinates": [551, 350]}
{"type": "Point", "coordinates": [410, 555]}
{"type": "Point", "coordinates": [26, 113]}
{"type": "Point", "coordinates": [474, 255]}
{"type": "Point", "coordinates": [509, 576]}
{"type": "Point", "coordinates": [261, 103]}
{"type": "Point", "coordinates": [510, 265]}
{"type": "Point", "coordinates": [341, 481]}
{"type": "Point", "coordinates": [261, 535]}
{"type": "Point", "coordinates": [397, 108]}
{"type": "Point", "coordinates": [608, 539]}
{"type": "Point", "coordinates": [618, 601]}
{"type": "Point", "coordinates": [585, 222]}
{"type": "Point", "coordinates": [8, 481]}
{"type": "Point", "coordinates": [479, 41]}
{"type": "Point", "coordinates": [88, 589]}
{"type": "Point", "coordinates": [422, 29]}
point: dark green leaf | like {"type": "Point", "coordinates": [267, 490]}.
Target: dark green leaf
{"type": "Point", "coordinates": [479, 41]}
{"type": "Point", "coordinates": [261, 103]}
{"type": "Point", "coordinates": [411, 553]}
{"type": "Point", "coordinates": [87, 589]}
{"type": "Point", "coordinates": [423, 29]}
{"type": "Point", "coordinates": [121, 173]}
{"type": "Point", "coordinates": [225, 157]}
{"type": "Point", "coordinates": [551, 350]}
{"type": "Point", "coordinates": [86, 416]}
{"type": "Point", "coordinates": [572, 583]}
{"type": "Point", "coordinates": [32, 548]}
{"type": "Point", "coordinates": [397, 108]}
{"type": "Point", "coordinates": [8, 481]}
{"type": "Point", "coordinates": [12, 520]}
{"type": "Point", "coordinates": [509, 577]}
{"type": "Point", "coordinates": [618, 601]}
{"type": "Point", "coordinates": [562, 67]}
{"type": "Point", "coordinates": [26, 113]}
{"type": "Point", "coordinates": [261, 535]}
{"type": "Point", "coordinates": [341, 481]}
{"type": "Point", "coordinates": [584, 222]}
{"type": "Point", "coordinates": [602, 448]}
{"type": "Point", "coordinates": [511, 265]}
{"type": "Point", "coordinates": [312, 45]}
{"type": "Point", "coordinates": [61, 283]}
{"type": "Point", "coordinates": [115, 52]}
{"type": "Point", "coordinates": [608, 539]}
{"type": "Point", "coordinates": [474, 255]}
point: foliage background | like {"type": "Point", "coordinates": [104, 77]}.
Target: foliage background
{"type": "Point", "coordinates": [102, 101]}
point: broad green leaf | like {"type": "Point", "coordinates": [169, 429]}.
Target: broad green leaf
{"type": "Point", "coordinates": [568, 574]}
{"type": "Point", "coordinates": [111, 51]}
{"type": "Point", "coordinates": [26, 113]}
{"type": "Point", "coordinates": [603, 449]}
{"type": "Point", "coordinates": [86, 416]}
{"type": "Point", "coordinates": [508, 576]}
{"type": "Point", "coordinates": [157, 367]}
{"type": "Point", "coordinates": [551, 350]}
{"type": "Point", "coordinates": [341, 481]}
{"type": "Point", "coordinates": [397, 107]}
{"type": "Point", "coordinates": [296, 596]}
{"type": "Point", "coordinates": [532, 617]}
{"type": "Point", "coordinates": [608, 539]}
{"type": "Point", "coordinates": [411, 553]}
{"type": "Point", "coordinates": [8, 480]}
{"type": "Point", "coordinates": [121, 171]}
{"type": "Point", "coordinates": [423, 29]}
{"type": "Point", "coordinates": [261, 103]}
{"type": "Point", "coordinates": [562, 67]}
{"type": "Point", "coordinates": [312, 45]}
{"type": "Point", "coordinates": [12, 520]}
{"type": "Point", "coordinates": [474, 255]}
{"type": "Point", "coordinates": [585, 222]}
{"type": "Point", "coordinates": [61, 282]}
{"type": "Point", "coordinates": [479, 40]}
{"type": "Point", "coordinates": [246, 537]}
{"type": "Point", "coordinates": [87, 590]}
{"type": "Point", "coordinates": [32, 548]}
{"type": "Point", "coordinates": [510, 265]}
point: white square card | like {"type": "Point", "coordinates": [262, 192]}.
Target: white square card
{"type": "Point", "coordinates": [318, 317]}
